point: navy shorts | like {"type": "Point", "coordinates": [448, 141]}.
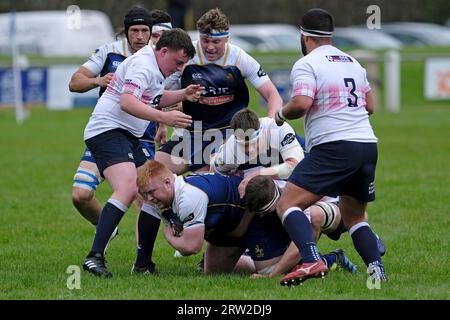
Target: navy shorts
{"type": "Point", "coordinates": [113, 147]}
{"type": "Point", "coordinates": [339, 168]}
{"type": "Point", "coordinates": [147, 147]}
{"type": "Point", "coordinates": [266, 238]}
{"type": "Point", "coordinates": [195, 145]}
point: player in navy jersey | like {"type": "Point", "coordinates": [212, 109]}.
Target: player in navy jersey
{"type": "Point", "coordinates": [197, 207]}
{"type": "Point", "coordinates": [331, 90]}
{"type": "Point", "coordinates": [222, 69]}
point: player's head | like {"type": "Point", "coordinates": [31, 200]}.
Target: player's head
{"type": "Point", "coordinates": [245, 125]}
{"type": "Point", "coordinates": [261, 195]}
{"type": "Point", "coordinates": [138, 25]}
{"type": "Point", "coordinates": [155, 184]}
{"type": "Point", "coordinates": [162, 22]}
{"type": "Point", "coordinates": [317, 25]}
{"type": "Point", "coordinates": [213, 28]}
{"type": "Point", "coordinates": [173, 51]}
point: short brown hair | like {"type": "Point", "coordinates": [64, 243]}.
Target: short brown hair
{"type": "Point", "coordinates": [258, 192]}
{"type": "Point", "coordinates": [245, 119]}
{"type": "Point", "coordinates": [176, 39]}
{"type": "Point", "coordinates": [150, 170]}
{"type": "Point", "coordinates": [214, 19]}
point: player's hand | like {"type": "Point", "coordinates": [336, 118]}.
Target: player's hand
{"type": "Point", "coordinates": [177, 119]}
{"type": "Point", "coordinates": [278, 120]}
{"type": "Point", "coordinates": [105, 80]}
{"type": "Point", "coordinates": [161, 134]}
{"type": "Point", "coordinates": [244, 183]}
{"type": "Point", "coordinates": [193, 92]}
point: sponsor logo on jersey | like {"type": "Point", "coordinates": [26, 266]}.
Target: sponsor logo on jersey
{"type": "Point", "coordinates": [261, 72]}
{"type": "Point", "coordinates": [189, 218]}
{"type": "Point", "coordinates": [156, 100]}
{"type": "Point", "coordinates": [259, 252]}
{"type": "Point", "coordinates": [116, 64]}
{"type": "Point", "coordinates": [288, 139]}
{"type": "Point", "coordinates": [196, 76]}
{"type": "Point", "coordinates": [215, 101]}
{"type": "Point", "coordinates": [130, 156]}
{"type": "Point", "coordinates": [339, 59]}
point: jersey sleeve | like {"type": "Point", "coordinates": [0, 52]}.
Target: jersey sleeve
{"type": "Point", "coordinates": [367, 87]}
{"type": "Point", "coordinates": [251, 69]}
{"type": "Point", "coordinates": [193, 206]}
{"type": "Point", "coordinates": [303, 80]}
{"type": "Point", "coordinates": [289, 145]}
{"type": "Point", "coordinates": [137, 78]}
{"type": "Point", "coordinates": [97, 60]}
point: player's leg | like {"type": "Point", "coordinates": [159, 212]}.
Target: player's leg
{"type": "Point", "coordinates": [147, 226]}
{"type": "Point", "coordinates": [116, 157]}
{"type": "Point", "coordinates": [226, 259]}
{"type": "Point", "coordinates": [86, 180]}
{"type": "Point", "coordinates": [290, 209]}
{"type": "Point", "coordinates": [352, 204]}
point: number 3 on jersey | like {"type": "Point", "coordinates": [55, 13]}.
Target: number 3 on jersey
{"type": "Point", "coordinates": [351, 81]}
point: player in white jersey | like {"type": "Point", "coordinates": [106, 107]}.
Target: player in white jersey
{"type": "Point", "coordinates": [120, 118]}
{"type": "Point", "coordinates": [98, 72]}
{"type": "Point", "coordinates": [331, 90]}
{"type": "Point", "coordinates": [222, 69]}
{"type": "Point", "coordinates": [257, 147]}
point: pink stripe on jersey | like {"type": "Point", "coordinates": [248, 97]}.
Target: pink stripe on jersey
{"type": "Point", "coordinates": [303, 89]}
{"type": "Point", "coordinates": [335, 97]}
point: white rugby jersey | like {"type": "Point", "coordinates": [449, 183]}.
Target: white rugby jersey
{"type": "Point", "coordinates": [187, 201]}
{"type": "Point", "coordinates": [97, 60]}
{"type": "Point", "coordinates": [273, 142]}
{"type": "Point", "coordinates": [338, 85]}
{"type": "Point", "coordinates": [138, 75]}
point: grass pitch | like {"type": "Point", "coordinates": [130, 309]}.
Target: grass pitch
{"type": "Point", "coordinates": [41, 234]}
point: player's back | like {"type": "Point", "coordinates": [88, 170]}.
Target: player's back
{"type": "Point", "coordinates": [225, 207]}
{"type": "Point", "coordinates": [338, 85]}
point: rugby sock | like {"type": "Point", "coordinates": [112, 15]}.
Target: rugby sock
{"type": "Point", "coordinates": [110, 217]}
{"type": "Point", "coordinates": [148, 227]}
{"type": "Point", "coordinates": [365, 242]}
{"type": "Point", "coordinates": [329, 259]}
{"type": "Point", "coordinates": [300, 230]}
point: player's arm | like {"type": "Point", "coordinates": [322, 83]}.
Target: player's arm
{"type": "Point", "coordinates": [295, 108]}
{"type": "Point", "coordinates": [130, 104]}
{"type": "Point", "coordinates": [370, 102]}
{"type": "Point", "coordinates": [84, 80]}
{"type": "Point", "coordinates": [272, 97]}
{"type": "Point", "coordinates": [189, 242]}
{"type": "Point", "coordinates": [289, 259]}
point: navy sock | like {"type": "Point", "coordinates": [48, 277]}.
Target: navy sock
{"type": "Point", "coordinates": [365, 242]}
{"type": "Point", "coordinates": [329, 259]}
{"type": "Point", "coordinates": [148, 227]}
{"type": "Point", "coordinates": [109, 220]}
{"type": "Point", "coordinates": [300, 230]}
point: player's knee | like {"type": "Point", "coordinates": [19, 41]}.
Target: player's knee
{"type": "Point", "coordinates": [80, 195]}
{"type": "Point", "coordinates": [329, 219]}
